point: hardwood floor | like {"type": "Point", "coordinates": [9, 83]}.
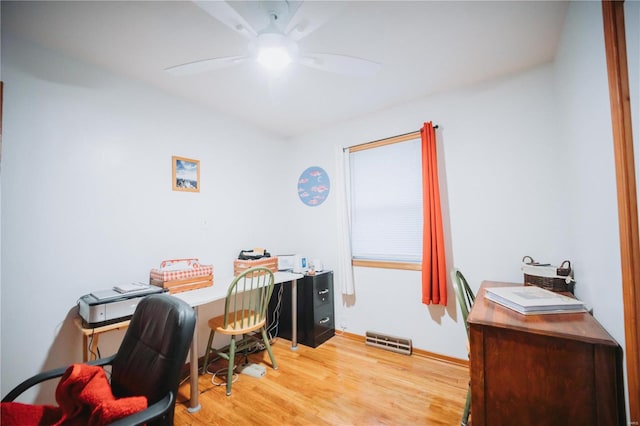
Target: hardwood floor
{"type": "Point", "coordinates": [342, 382]}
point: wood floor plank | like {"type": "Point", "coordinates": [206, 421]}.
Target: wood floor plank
{"type": "Point", "coordinates": [342, 382]}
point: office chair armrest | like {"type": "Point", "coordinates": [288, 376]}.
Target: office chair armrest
{"type": "Point", "coordinates": [48, 375]}
{"type": "Point", "coordinates": [102, 361]}
{"type": "Point", "coordinates": [152, 412]}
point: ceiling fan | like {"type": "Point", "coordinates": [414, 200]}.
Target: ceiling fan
{"type": "Point", "coordinates": [275, 47]}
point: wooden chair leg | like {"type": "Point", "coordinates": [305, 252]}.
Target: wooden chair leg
{"type": "Point", "coordinates": [232, 359]}
{"type": "Point", "coordinates": [207, 353]}
{"type": "Point", "coordinates": [245, 349]}
{"type": "Point", "coordinates": [265, 338]}
{"type": "Point", "coordinates": [467, 409]}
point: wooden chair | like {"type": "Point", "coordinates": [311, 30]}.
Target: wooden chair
{"type": "Point", "coordinates": [245, 311]}
{"type": "Point", "coordinates": [465, 298]}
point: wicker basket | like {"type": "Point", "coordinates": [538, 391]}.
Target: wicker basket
{"type": "Point", "coordinates": [185, 284]}
{"type": "Point", "coordinates": [548, 277]}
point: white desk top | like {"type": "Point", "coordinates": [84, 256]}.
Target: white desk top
{"type": "Point", "coordinates": [202, 296]}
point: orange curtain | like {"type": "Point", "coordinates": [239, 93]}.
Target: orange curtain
{"type": "Point", "coordinates": [434, 274]}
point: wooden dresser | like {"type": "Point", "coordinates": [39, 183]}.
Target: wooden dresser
{"type": "Point", "coordinates": [558, 369]}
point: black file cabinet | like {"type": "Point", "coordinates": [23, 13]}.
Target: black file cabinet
{"type": "Point", "coordinates": [316, 318]}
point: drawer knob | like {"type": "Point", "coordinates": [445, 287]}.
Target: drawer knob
{"type": "Point", "coordinates": [325, 291]}
{"type": "Point", "coordinates": [324, 320]}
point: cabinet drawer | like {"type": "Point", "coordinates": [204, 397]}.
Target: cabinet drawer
{"type": "Point", "coordinates": [322, 312]}
{"type": "Point", "coordinates": [323, 319]}
{"type": "Point", "coordinates": [323, 324]}
{"type": "Point", "coordinates": [322, 296]}
{"type": "Point", "coordinates": [322, 289]}
{"type": "Point", "coordinates": [322, 337]}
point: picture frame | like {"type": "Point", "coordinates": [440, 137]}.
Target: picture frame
{"type": "Point", "coordinates": [185, 174]}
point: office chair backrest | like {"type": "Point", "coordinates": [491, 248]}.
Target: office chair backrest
{"type": "Point", "coordinates": [154, 350]}
{"type": "Point", "coordinates": [248, 299]}
{"type": "Point", "coordinates": [464, 294]}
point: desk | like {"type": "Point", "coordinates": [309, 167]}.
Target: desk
{"type": "Point", "coordinates": [95, 333]}
{"type": "Point", "coordinates": [542, 369]}
{"type": "Point", "coordinates": [202, 296]}
{"type": "Point", "coordinates": [195, 298]}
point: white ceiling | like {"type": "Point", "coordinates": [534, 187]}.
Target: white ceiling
{"type": "Point", "coordinates": [424, 47]}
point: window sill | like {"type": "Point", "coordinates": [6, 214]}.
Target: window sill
{"type": "Point", "coordinates": [387, 265]}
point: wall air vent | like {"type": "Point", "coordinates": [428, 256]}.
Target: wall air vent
{"type": "Point", "coordinates": [390, 343]}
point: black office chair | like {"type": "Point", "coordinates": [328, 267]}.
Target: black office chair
{"type": "Point", "coordinates": [149, 361]}
{"type": "Point", "coordinates": [465, 300]}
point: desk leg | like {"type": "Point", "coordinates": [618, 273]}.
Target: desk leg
{"type": "Point", "coordinates": [85, 348]}
{"type": "Point", "coordinates": [194, 405]}
{"type": "Point", "coordinates": [294, 315]}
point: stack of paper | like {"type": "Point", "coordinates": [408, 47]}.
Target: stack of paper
{"type": "Point", "coordinates": [131, 287]}
{"type": "Point", "coordinates": [530, 300]}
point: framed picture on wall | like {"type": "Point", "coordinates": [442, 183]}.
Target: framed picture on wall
{"type": "Point", "coordinates": [186, 174]}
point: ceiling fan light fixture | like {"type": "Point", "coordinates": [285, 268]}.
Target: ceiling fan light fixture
{"type": "Point", "coordinates": [275, 51]}
{"type": "Point", "coordinates": [276, 45]}
{"type": "Point", "coordinates": [274, 58]}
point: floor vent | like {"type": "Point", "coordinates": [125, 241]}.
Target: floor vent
{"type": "Point", "coordinates": [390, 343]}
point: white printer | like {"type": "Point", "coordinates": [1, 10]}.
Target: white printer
{"type": "Point", "coordinates": [110, 306]}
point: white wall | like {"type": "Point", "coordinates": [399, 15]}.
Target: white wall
{"type": "Point", "coordinates": [527, 170]}
{"type": "Point", "coordinates": [87, 199]}
{"type": "Point", "coordinates": [583, 97]}
{"type": "Point", "coordinates": [500, 171]}
{"type": "Point", "coordinates": [585, 121]}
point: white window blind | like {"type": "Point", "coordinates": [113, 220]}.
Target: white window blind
{"type": "Point", "coordinates": [386, 202]}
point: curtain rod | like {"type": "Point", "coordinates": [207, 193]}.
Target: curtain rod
{"type": "Point", "coordinates": [386, 141]}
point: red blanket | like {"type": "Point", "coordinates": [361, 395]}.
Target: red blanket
{"type": "Point", "coordinates": [84, 397]}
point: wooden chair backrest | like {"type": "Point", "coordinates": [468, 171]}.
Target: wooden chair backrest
{"type": "Point", "coordinates": [464, 294]}
{"type": "Point", "coordinates": [248, 298]}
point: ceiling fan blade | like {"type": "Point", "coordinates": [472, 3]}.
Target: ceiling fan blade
{"type": "Point", "coordinates": [223, 12]}
{"type": "Point", "coordinates": [310, 16]}
{"type": "Point", "coordinates": [206, 65]}
{"type": "Point", "coordinates": [340, 64]}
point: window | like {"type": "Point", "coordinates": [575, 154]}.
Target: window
{"type": "Point", "coordinates": [386, 203]}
